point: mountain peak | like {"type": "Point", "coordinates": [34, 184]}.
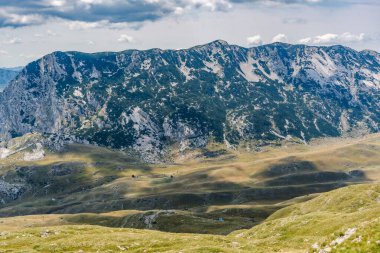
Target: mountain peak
{"type": "Point", "coordinates": [219, 42]}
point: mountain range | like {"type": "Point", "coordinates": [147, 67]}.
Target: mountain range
{"type": "Point", "coordinates": [150, 100]}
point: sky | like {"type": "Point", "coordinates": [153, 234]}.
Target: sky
{"type": "Point", "coordinates": [30, 29]}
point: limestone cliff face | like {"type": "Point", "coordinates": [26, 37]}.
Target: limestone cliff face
{"type": "Point", "coordinates": [30, 102]}
{"type": "Point", "coordinates": [147, 100]}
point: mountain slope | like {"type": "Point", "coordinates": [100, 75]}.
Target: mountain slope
{"type": "Point", "coordinates": [241, 187]}
{"type": "Point", "coordinates": [149, 100]}
{"type": "Point", "coordinates": [347, 222]}
{"type": "Point", "coordinates": [6, 75]}
{"type": "Point", "coordinates": [322, 223]}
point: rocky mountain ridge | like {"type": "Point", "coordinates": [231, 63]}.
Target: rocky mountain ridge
{"type": "Point", "coordinates": [149, 100]}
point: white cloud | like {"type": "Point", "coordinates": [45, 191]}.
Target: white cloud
{"type": "Point", "coordinates": [280, 38]}
{"type": "Point", "coordinates": [12, 41]}
{"type": "Point", "coordinates": [12, 19]}
{"type": "Point", "coordinates": [213, 5]}
{"type": "Point", "coordinates": [57, 3]}
{"type": "Point", "coordinates": [124, 38]}
{"type": "Point", "coordinates": [306, 40]}
{"type": "Point", "coordinates": [179, 11]}
{"type": "Point", "coordinates": [332, 38]}
{"type": "Point", "coordinates": [3, 52]}
{"type": "Point", "coordinates": [51, 33]}
{"type": "Point", "coordinates": [48, 33]}
{"type": "Point", "coordinates": [349, 37]}
{"type": "Point", "coordinates": [33, 12]}
{"type": "Point", "coordinates": [326, 38]}
{"type": "Point", "coordinates": [255, 40]}
{"type": "Point", "coordinates": [81, 25]}
{"type": "Point", "coordinates": [30, 12]}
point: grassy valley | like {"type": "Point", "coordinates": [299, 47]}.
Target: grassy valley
{"type": "Point", "coordinates": [347, 222]}
{"type": "Point", "coordinates": [207, 200]}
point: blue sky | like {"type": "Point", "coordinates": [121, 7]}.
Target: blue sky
{"type": "Point", "coordinates": [30, 29]}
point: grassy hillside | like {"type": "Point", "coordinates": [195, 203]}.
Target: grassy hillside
{"type": "Point", "coordinates": [217, 190]}
{"type": "Point", "coordinates": [346, 220]}
{"type": "Point", "coordinates": [318, 221]}
{"type": "Point", "coordinates": [232, 201]}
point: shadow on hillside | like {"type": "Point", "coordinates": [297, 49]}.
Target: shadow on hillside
{"type": "Point", "coordinates": [101, 156]}
{"type": "Point", "coordinates": [54, 187]}
{"type": "Point", "coordinates": [294, 172]}
{"type": "Point", "coordinates": [190, 196]}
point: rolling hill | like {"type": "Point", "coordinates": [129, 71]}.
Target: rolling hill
{"type": "Point", "coordinates": [221, 200]}
{"type": "Point", "coordinates": [347, 222]}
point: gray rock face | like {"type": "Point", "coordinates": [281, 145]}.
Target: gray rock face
{"type": "Point", "coordinates": [9, 192]}
{"type": "Point", "coordinates": [148, 100]}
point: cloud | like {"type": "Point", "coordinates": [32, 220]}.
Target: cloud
{"type": "Point", "coordinates": [48, 33]}
{"type": "Point", "coordinates": [213, 5]}
{"type": "Point", "coordinates": [255, 40]}
{"type": "Point", "coordinates": [179, 11]}
{"type": "Point", "coordinates": [83, 25]}
{"type": "Point", "coordinates": [280, 38]}
{"type": "Point", "coordinates": [30, 12]}
{"type": "Point", "coordinates": [51, 33]}
{"type": "Point", "coordinates": [18, 13]}
{"type": "Point", "coordinates": [3, 52]}
{"type": "Point", "coordinates": [80, 25]}
{"type": "Point", "coordinates": [124, 38]}
{"type": "Point", "coordinates": [12, 41]}
{"type": "Point", "coordinates": [332, 38]}
{"type": "Point", "coordinates": [15, 20]}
